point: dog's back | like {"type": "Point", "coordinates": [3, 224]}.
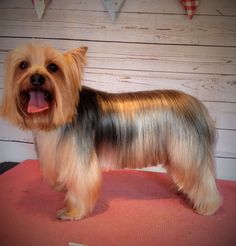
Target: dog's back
{"type": "Point", "coordinates": [144, 128]}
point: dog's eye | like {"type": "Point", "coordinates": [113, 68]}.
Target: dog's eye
{"type": "Point", "coordinates": [52, 67]}
{"type": "Point", "coordinates": [23, 65]}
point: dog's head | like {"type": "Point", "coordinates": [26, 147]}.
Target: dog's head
{"type": "Point", "coordinates": [42, 85]}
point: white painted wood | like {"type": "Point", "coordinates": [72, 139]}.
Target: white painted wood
{"type": "Point", "coordinates": [16, 152]}
{"type": "Point", "coordinates": [205, 87]}
{"type": "Point", "coordinates": [216, 7]}
{"type": "Point", "coordinates": [226, 144]}
{"type": "Point", "coordinates": [226, 168]}
{"type": "Point", "coordinates": [151, 28]}
{"type": "Point", "coordinates": [224, 114]}
{"type": "Point", "coordinates": [145, 57]}
{"type": "Point", "coordinates": [9, 133]}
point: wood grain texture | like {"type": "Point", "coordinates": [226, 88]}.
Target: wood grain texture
{"type": "Point", "coordinates": [216, 7]}
{"type": "Point", "coordinates": [151, 28]}
{"type": "Point", "coordinates": [152, 45]}
{"type": "Point", "coordinates": [145, 57]}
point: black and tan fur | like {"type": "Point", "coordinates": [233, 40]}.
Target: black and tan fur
{"type": "Point", "coordinates": [85, 132]}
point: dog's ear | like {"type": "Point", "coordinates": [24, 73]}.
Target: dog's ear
{"type": "Point", "coordinates": [75, 59]}
{"type": "Point", "coordinates": [77, 55]}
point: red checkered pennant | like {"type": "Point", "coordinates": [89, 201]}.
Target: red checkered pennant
{"type": "Point", "coordinates": [190, 6]}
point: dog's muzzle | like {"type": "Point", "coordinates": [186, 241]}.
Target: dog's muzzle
{"type": "Point", "coordinates": [37, 98]}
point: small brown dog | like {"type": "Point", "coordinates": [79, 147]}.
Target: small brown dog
{"type": "Point", "coordinates": [79, 131]}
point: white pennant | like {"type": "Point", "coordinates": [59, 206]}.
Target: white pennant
{"type": "Point", "coordinates": [40, 7]}
{"type": "Point", "coordinates": [113, 7]}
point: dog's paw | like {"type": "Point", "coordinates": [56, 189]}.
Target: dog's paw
{"type": "Point", "coordinates": [211, 206]}
{"type": "Point", "coordinates": [66, 214]}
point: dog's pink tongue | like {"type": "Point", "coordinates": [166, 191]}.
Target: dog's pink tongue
{"type": "Point", "coordinates": [37, 102]}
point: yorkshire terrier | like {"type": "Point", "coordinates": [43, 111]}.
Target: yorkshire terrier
{"type": "Point", "coordinates": [80, 131]}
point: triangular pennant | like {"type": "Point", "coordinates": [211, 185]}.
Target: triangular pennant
{"type": "Point", "coordinates": [113, 7]}
{"type": "Point", "coordinates": [190, 6]}
{"type": "Point", "coordinates": [40, 7]}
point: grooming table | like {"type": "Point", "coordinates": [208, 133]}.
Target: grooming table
{"type": "Point", "coordinates": [135, 208]}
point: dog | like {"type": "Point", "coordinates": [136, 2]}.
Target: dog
{"type": "Point", "coordinates": [80, 131]}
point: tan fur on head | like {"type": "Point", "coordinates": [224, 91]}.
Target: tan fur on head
{"type": "Point", "coordinates": [62, 85]}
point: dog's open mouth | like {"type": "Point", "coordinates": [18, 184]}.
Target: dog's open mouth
{"type": "Point", "coordinates": [36, 101]}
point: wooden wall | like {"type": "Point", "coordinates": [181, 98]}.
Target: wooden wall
{"type": "Point", "coordinates": [152, 45]}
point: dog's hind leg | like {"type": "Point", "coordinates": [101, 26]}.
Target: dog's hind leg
{"type": "Point", "coordinates": [194, 175]}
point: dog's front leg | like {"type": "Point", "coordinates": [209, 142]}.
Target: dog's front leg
{"type": "Point", "coordinates": [83, 189]}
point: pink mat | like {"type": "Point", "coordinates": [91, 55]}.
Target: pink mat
{"type": "Point", "coordinates": [135, 208]}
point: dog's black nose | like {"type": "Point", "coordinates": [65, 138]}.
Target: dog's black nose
{"type": "Point", "coordinates": [37, 79]}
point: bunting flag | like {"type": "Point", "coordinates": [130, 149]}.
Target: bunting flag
{"type": "Point", "coordinates": [190, 6]}
{"type": "Point", "coordinates": [40, 7]}
{"type": "Point", "coordinates": [113, 7]}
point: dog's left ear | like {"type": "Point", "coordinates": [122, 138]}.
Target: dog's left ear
{"type": "Point", "coordinates": [77, 55]}
{"type": "Point", "coordinates": [76, 59]}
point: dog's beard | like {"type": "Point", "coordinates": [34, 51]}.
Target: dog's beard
{"type": "Point", "coordinates": [35, 107]}
{"type": "Point", "coordinates": [34, 100]}
{"type": "Point", "coordinates": [44, 108]}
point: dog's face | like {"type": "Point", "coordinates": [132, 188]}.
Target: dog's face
{"type": "Point", "coordinates": [41, 86]}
